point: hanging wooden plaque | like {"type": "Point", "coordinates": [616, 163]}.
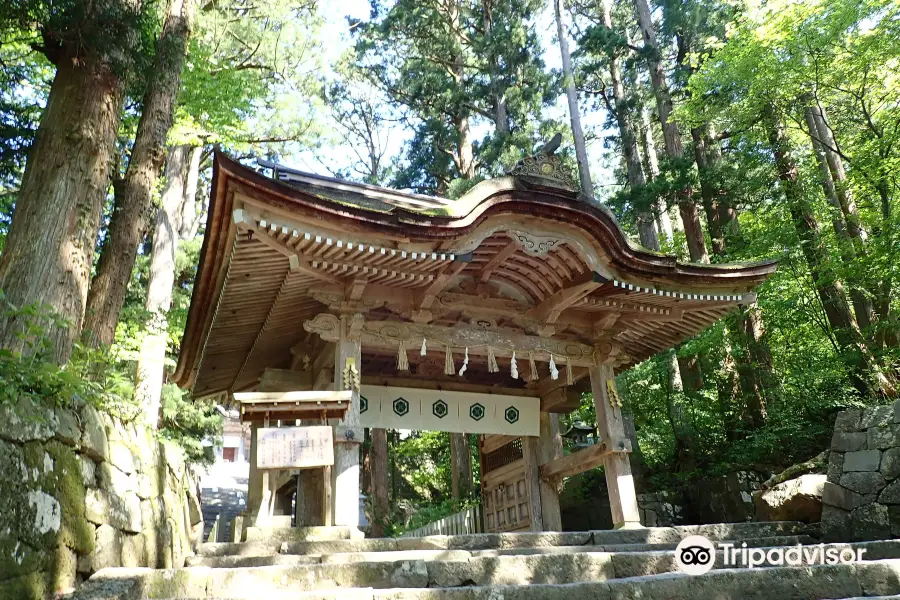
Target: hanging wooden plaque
{"type": "Point", "coordinates": [294, 447]}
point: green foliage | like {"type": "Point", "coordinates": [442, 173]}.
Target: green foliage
{"type": "Point", "coordinates": [89, 377]}
{"type": "Point", "coordinates": [450, 67]}
{"type": "Point", "coordinates": [195, 425]}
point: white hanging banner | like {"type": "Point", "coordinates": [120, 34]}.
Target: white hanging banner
{"type": "Point", "coordinates": [456, 412]}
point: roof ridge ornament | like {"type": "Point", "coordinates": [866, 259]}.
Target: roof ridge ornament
{"type": "Point", "coordinates": [546, 168]}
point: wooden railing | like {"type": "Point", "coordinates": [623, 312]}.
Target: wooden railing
{"type": "Point", "coordinates": [464, 522]}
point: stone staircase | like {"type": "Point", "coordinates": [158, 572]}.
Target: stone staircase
{"type": "Point", "coordinates": [319, 563]}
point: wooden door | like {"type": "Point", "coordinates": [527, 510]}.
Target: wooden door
{"type": "Point", "coordinates": [504, 493]}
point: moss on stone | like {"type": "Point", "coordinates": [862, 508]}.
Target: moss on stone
{"type": "Point", "coordinates": [68, 489]}
{"type": "Point", "coordinates": [31, 586]}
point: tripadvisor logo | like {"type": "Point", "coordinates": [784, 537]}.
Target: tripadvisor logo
{"type": "Point", "coordinates": [696, 555]}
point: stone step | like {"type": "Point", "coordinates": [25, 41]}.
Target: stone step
{"type": "Point", "coordinates": [500, 541]}
{"type": "Point", "coordinates": [298, 534]}
{"type": "Point", "coordinates": [536, 579]}
{"type": "Point", "coordinates": [238, 549]}
{"type": "Point", "coordinates": [451, 568]}
{"type": "Point", "coordinates": [211, 555]}
{"type": "Point", "coordinates": [788, 540]}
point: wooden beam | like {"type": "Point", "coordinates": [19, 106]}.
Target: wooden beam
{"type": "Point", "coordinates": [582, 460]}
{"type": "Point", "coordinates": [427, 298]}
{"type": "Point", "coordinates": [549, 309]}
{"type": "Point", "coordinates": [495, 441]}
{"type": "Point", "coordinates": [448, 386]}
{"type": "Point", "coordinates": [503, 342]}
{"type": "Point", "coordinates": [298, 396]}
{"type": "Point", "coordinates": [354, 289]}
{"type": "Point", "coordinates": [497, 260]}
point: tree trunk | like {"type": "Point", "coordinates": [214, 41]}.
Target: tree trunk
{"type": "Point", "coordinates": [682, 428]}
{"type": "Point", "coordinates": [465, 153]}
{"type": "Point", "coordinates": [461, 466]}
{"type": "Point", "coordinates": [865, 373]}
{"type": "Point", "coordinates": [847, 243]}
{"type": "Point", "coordinates": [151, 361]}
{"type": "Point", "coordinates": [690, 216]}
{"type": "Point", "coordinates": [709, 192]}
{"type": "Point", "coordinates": [189, 220]}
{"type": "Point", "coordinates": [498, 96]}
{"type": "Point", "coordinates": [584, 173]}
{"type": "Point", "coordinates": [630, 151]}
{"type": "Point", "coordinates": [129, 222]}
{"type": "Point", "coordinates": [841, 186]}
{"type": "Point", "coordinates": [648, 150]}
{"type": "Point", "coordinates": [378, 460]}
{"type": "Point", "coordinates": [49, 250]}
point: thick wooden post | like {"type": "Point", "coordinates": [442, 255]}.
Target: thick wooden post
{"type": "Point", "coordinates": [531, 452]}
{"type": "Point", "coordinates": [460, 466]}
{"type": "Point", "coordinates": [267, 492]}
{"type": "Point", "coordinates": [348, 435]}
{"type": "Point", "coordinates": [550, 446]}
{"type": "Point", "coordinates": [254, 485]}
{"type": "Point", "coordinates": [620, 483]}
{"type": "Point", "coordinates": [378, 458]}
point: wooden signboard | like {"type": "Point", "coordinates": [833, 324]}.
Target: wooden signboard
{"type": "Point", "coordinates": [294, 447]}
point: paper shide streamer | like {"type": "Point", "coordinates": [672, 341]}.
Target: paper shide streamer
{"type": "Point", "coordinates": [465, 364]}
{"type": "Point", "coordinates": [513, 367]}
{"type": "Point", "coordinates": [554, 372]}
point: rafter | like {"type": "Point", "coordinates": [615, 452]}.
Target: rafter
{"type": "Point", "coordinates": [427, 298]}
{"type": "Point", "coordinates": [497, 260]}
{"type": "Point", "coordinates": [549, 310]}
{"type": "Point", "coordinates": [298, 263]}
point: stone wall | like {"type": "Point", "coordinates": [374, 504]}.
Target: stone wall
{"type": "Point", "coordinates": [662, 509]}
{"type": "Point", "coordinates": [861, 499]}
{"type": "Point", "coordinates": [584, 503]}
{"type": "Point", "coordinates": [80, 491]}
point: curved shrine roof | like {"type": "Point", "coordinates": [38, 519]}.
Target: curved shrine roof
{"type": "Point", "coordinates": [521, 259]}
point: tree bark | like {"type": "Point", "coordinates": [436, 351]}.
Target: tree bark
{"type": "Point", "coordinates": [461, 466]}
{"type": "Point", "coordinates": [584, 173]}
{"type": "Point", "coordinates": [690, 216]}
{"type": "Point", "coordinates": [865, 373]}
{"type": "Point", "coordinates": [378, 460]}
{"type": "Point", "coordinates": [646, 222]}
{"type": "Point", "coordinates": [49, 250]}
{"type": "Point", "coordinates": [848, 243]}
{"type": "Point", "coordinates": [151, 361]}
{"type": "Point", "coordinates": [129, 222]}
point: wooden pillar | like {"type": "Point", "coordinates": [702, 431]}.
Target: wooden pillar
{"type": "Point", "coordinates": [254, 484]}
{"type": "Point", "coordinates": [348, 434]}
{"type": "Point", "coordinates": [268, 479]}
{"type": "Point", "coordinates": [460, 466]}
{"type": "Point", "coordinates": [378, 459]}
{"type": "Point", "coordinates": [531, 453]}
{"type": "Point", "coordinates": [550, 447]}
{"type": "Point", "coordinates": [620, 483]}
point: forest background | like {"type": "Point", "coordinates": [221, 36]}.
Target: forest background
{"type": "Point", "coordinates": [716, 130]}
